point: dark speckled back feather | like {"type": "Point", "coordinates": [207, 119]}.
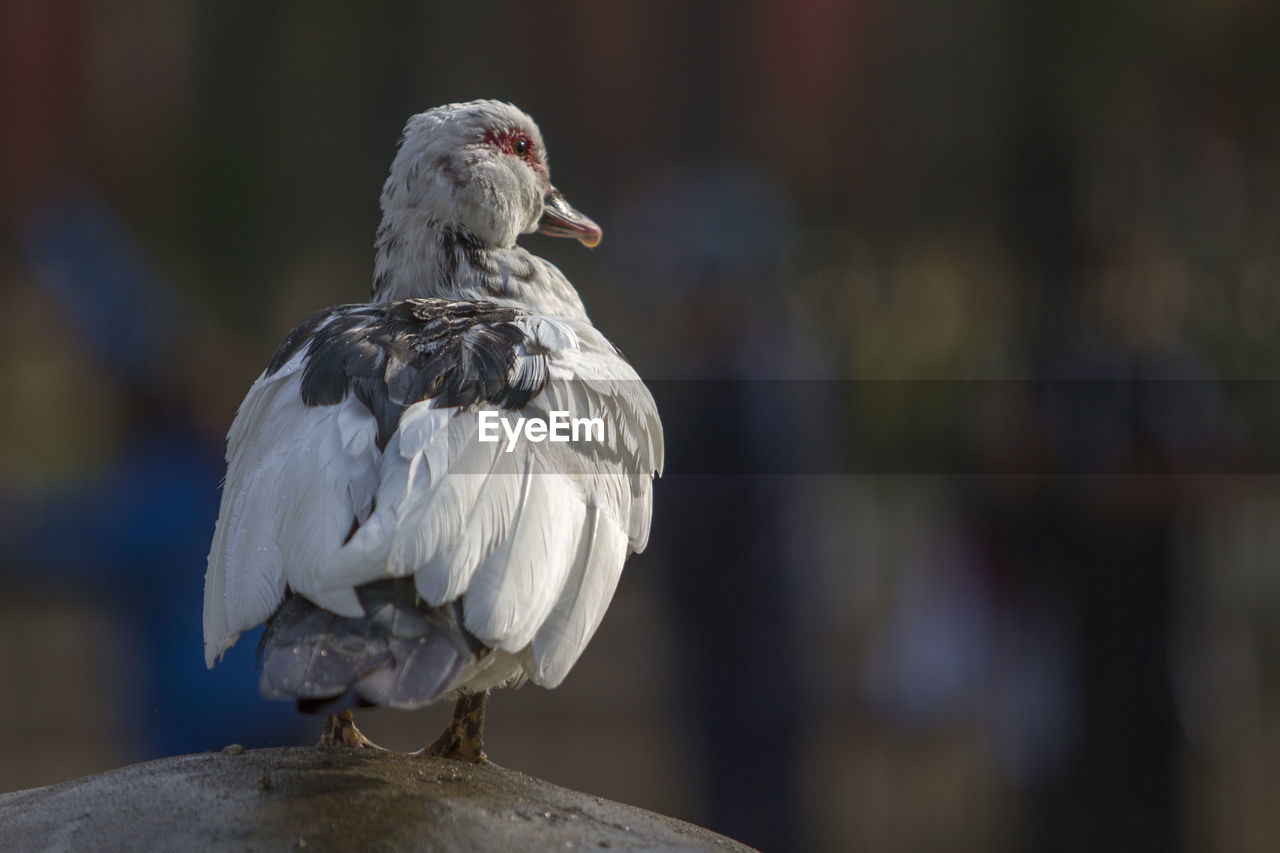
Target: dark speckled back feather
{"type": "Point", "coordinates": [392, 355]}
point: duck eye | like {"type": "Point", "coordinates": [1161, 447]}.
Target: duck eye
{"type": "Point", "coordinates": [522, 146]}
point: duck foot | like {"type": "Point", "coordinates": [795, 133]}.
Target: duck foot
{"type": "Point", "coordinates": [340, 730]}
{"type": "Point", "coordinates": [461, 741]}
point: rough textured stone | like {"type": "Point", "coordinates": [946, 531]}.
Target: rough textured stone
{"type": "Point", "coordinates": [317, 798]}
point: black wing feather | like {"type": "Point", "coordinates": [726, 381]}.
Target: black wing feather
{"type": "Point", "coordinates": [396, 354]}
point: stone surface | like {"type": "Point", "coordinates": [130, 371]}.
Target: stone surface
{"type": "Point", "coordinates": [324, 798]}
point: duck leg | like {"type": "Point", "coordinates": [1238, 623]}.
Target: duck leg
{"type": "Point", "coordinates": [340, 730]}
{"type": "Point", "coordinates": [462, 740]}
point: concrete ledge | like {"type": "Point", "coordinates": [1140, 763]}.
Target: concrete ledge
{"type": "Point", "coordinates": [322, 798]}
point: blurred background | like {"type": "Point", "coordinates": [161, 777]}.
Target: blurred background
{"type": "Point", "coordinates": [962, 319]}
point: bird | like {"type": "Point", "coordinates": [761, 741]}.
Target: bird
{"type": "Point", "coordinates": [395, 552]}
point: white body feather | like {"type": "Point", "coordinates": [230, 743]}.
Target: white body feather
{"type": "Point", "coordinates": [532, 542]}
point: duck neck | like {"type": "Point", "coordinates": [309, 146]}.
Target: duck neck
{"type": "Point", "coordinates": [449, 262]}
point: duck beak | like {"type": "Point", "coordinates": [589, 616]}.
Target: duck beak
{"type": "Point", "coordinates": [561, 219]}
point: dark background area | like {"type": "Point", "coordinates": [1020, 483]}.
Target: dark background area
{"type": "Point", "coordinates": [1056, 632]}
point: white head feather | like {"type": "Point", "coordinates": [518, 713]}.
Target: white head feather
{"type": "Point", "coordinates": [467, 180]}
{"type": "Point", "coordinates": [452, 171]}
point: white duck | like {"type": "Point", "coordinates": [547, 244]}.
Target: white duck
{"type": "Point", "coordinates": [394, 556]}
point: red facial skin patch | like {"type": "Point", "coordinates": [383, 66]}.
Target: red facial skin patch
{"type": "Point", "coordinates": [507, 141]}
